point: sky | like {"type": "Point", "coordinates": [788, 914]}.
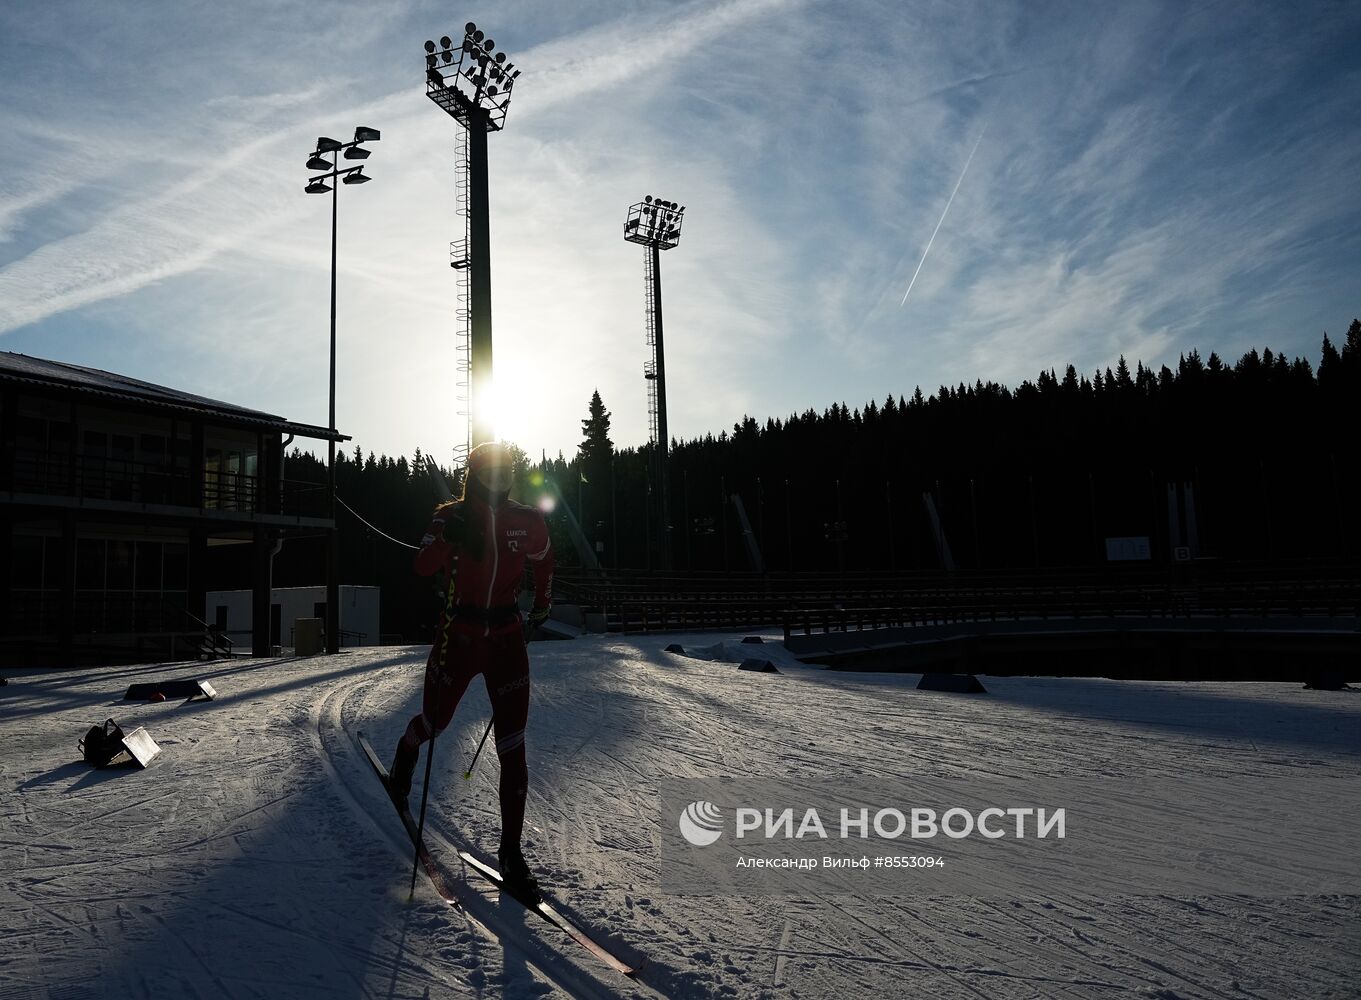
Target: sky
{"type": "Point", "coordinates": [1136, 178]}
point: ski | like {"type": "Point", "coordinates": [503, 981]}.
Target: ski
{"type": "Point", "coordinates": [427, 862]}
{"type": "Point", "coordinates": [546, 910]}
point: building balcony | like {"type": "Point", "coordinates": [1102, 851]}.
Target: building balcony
{"type": "Point", "coordinates": [57, 480]}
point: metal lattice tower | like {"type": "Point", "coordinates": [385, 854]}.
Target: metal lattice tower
{"type": "Point", "coordinates": [650, 327]}
{"type": "Point", "coordinates": [463, 315]}
{"type": "Point", "coordinates": [656, 226]}
{"type": "Point", "coordinates": [472, 84]}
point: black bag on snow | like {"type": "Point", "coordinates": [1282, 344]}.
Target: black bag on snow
{"type": "Point", "coordinates": [102, 744]}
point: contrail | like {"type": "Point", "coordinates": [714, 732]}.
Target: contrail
{"type": "Point", "coordinates": [942, 216]}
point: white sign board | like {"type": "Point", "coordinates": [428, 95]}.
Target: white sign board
{"type": "Point", "coordinates": [1132, 549]}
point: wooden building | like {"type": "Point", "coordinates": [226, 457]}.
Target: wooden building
{"type": "Point", "coordinates": [112, 491]}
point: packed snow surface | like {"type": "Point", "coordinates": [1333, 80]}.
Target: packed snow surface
{"type": "Point", "coordinates": [258, 857]}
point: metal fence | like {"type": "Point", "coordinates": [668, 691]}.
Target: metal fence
{"type": "Point", "coordinates": [808, 603]}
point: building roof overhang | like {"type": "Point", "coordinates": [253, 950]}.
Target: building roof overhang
{"type": "Point", "coordinates": [77, 380]}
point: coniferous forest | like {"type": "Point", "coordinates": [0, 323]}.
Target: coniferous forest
{"type": "Point", "coordinates": [1260, 454]}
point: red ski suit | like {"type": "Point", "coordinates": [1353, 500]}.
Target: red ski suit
{"type": "Point", "coordinates": [489, 580]}
{"type": "Point", "coordinates": [484, 633]}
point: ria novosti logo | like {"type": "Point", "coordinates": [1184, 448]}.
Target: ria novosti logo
{"type": "Point", "coordinates": [701, 823]}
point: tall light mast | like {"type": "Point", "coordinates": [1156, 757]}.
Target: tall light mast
{"type": "Point", "coordinates": [472, 84]}
{"type": "Point", "coordinates": [656, 225]}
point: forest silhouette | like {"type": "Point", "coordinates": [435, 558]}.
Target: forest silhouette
{"type": "Point", "coordinates": [1033, 477]}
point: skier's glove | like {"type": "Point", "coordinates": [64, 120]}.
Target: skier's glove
{"type": "Point", "coordinates": [537, 616]}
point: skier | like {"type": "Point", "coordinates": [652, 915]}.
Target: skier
{"type": "Point", "coordinates": [481, 542]}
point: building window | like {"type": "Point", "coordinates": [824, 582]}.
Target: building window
{"type": "Point", "coordinates": [27, 569]}
{"type": "Point", "coordinates": [148, 565]}
{"type": "Point", "coordinates": [155, 482]}
{"type": "Point", "coordinates": [129, 585]}
{"type": "Point", "coordinates": [42, 453]}
{"type": "Point", "coordinates": [230, 467]}
{"type": "Point", "coordinates": [118, 565]}
{"type": "Point", "coordinates": [90, 564]}
{"type": "Point", "coordinates": [175, 566]}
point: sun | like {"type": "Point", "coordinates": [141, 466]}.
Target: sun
{"type": "Point", "coordinates": [508, 412]}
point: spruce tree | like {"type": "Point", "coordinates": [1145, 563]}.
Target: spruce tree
{"type": "Point", "coordinates": [596, 448]}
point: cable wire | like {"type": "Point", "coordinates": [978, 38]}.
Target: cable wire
{"type": "Point", "coordinates": [384, 534]}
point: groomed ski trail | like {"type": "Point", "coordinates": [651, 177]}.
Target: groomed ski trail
{"type": "Point", "coordinates": [494, 920]}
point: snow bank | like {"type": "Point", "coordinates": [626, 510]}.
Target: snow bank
{"type": "Point", "coordinates": [735, 650]}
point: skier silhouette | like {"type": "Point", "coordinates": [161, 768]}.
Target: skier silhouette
{"type": "Point", "coordinates": [481, 542]}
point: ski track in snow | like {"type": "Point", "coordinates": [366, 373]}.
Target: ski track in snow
{"type": "Point", "coordinates": [258, 857]}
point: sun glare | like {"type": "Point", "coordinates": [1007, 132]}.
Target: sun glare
{"type": "Point", "coordinates": [510, 413]}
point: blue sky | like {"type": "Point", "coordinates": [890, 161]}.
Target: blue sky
{"type": "Point", "coordinates": [1150, 178]}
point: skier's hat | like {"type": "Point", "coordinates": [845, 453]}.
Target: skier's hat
{"type": "Point", "coordinates": [492, 464]}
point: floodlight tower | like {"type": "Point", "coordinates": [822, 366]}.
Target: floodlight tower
{"type": "Point", "coordinates": [656, 225]}
{"type": "Point", "coordinates": [317, 185]}
{"type": "Point", "coordinates": [472, 84]}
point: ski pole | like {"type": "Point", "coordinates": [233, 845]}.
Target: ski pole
{"type": "Point", "coordinates": [468, 774]}
{"type": "Point", "coordinates": [430, 756]}
{"type": "Point", "coordinates": [420, 827]}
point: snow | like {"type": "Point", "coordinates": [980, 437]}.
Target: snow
{"type": "Point", "coordinates": [257, 857]}
{"type": "Point", "coordinates": [732, 649]}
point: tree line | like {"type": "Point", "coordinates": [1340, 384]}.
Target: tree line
{"type": "Point", "coordinates": [1247, 461]}
{"type": "Point", "coordinates": [1259, 455]}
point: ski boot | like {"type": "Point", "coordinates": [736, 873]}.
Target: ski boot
{"type": "Point", "coordinates": [519, 880]}
{"type": "Point", "coordinates": [399, 777]}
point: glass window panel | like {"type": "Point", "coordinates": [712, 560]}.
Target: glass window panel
{"type": "Point", "coordinates": [26, 565]}
{"type": "Point", "coordinates": [60, 436]}
{"type": "Point", "coordinates": [153, 448]}
{"type": "Point", "coordinates": [90, 563]}
{"type": "Point", "coordinates": [87, 611]}
{"type": "Point", "coordinates": [119, 573]}
{"type": "Point", "coordinates": [212, 463]}
{"type": "Point", "coordinates": [30, 433]}
{"type": "Point", "coordinates": [148, 565]}
{"type": "Point", "coordinates": [176, 566]}
{"type": "Point", "coordinates": [52, 571]}
{"type": "Point", "coordinates": [148, 613]}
